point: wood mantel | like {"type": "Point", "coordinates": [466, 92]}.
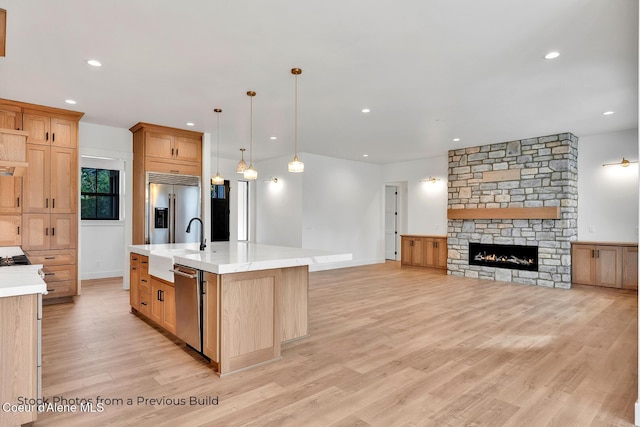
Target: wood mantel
{"type": "Point", "coordinates": [552, 212]}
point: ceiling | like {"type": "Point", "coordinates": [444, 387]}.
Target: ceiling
{"type": "Point", "coordinates": [429, 70]}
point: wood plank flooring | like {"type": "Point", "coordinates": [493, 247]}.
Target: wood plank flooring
{"type": "Point", "coordinates": [389, 346]}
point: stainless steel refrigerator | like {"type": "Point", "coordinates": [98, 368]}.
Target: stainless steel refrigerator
{"type": "Point", "coordinates": [172, 200]}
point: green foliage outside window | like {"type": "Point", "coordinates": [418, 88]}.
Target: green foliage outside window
{"type": "Point", "coordinates": [100, 194]}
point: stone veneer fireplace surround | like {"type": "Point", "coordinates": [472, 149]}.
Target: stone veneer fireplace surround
{"type": "Point", "coordinates": [530, 173]}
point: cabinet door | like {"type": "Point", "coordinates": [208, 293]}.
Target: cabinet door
{"type": "Point", "coordinates": [159, 145]}
{"type": "Point", "coordinates": [134, 278]}
{"type": "Point", "coordinates": [38, 127]}
{"type": "Point", "coordinates": [428, 252]}
{"type": "Point", "coordinates": [169, 308]}
{"type": "Point", "coordinates": [36, 184]}
{"type": "Point", "coordinates": [63, 133]}
{"type": "Point", "coordinates": [10, 194]}
{"type": "Point", "coordinates": [156, 301]}
{"type": "Point", "coordinates": [10, 117]}
{"type": "Point", "coordinates": [440, 253]}
{"type": "Point", "coordinates": [35, 232]}
{"type": "Point", "coordinates": [64, 231]}
{"type": "Point", "coordinates": [417, 252]}
{"type": "Point", "coordinates": [583, 268]}
{"type": "Point", "coordinates": [10, 230]}
{"type": "Point", "coordinates": [405, 256]}
{"type": "Point", "coordinates": [630, 267]}
{"type": "Point", "coordinates": [188, 149]}
{"type": "Point", "coordinates": [609, 266]}
{"type": "Point", "coordinates": [64, 180]}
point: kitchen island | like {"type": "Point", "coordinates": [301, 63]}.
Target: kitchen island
{"type": "Point", "coordinates": [252, 297]}
{"type": "Point", "coordinates": [21, 289]}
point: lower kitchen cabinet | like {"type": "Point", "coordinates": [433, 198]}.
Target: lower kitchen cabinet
{"type": "Point", "coordinates": [163, 304]}
{"type": "Point", "coordinates": [60, 271]}
{"type": "Point", "coordinates": [211, 320]}
{"type": "Point", "coordinates": [612, 265]}
{"type": "Point", "coordinates": [424, 251]}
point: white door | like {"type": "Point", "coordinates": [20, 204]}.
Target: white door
{"type": "Point", "coordinates": [390, 222]}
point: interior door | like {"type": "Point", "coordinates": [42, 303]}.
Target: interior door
{"type": "Point", "coordinates": [391, 222]}
{"type": "Point", "coordinates": [220, 212]}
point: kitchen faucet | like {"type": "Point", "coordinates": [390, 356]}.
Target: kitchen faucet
{"type": "Point", "coordinates": [203, 241]}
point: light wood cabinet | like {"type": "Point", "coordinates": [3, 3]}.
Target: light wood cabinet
{"type": "Point", "coordinates": [163, 304]}
{"type": "Point", "coordinates": [46, 130]}
{"type": "Point", "coordinates": [51, 181]}
{"type": "Point", "coordinates": [19, 356]}
{"type": "Point", "coordinates": [10, 117]}
{"type": "Point", "coordinates": [10, 230]}
{"type": "Point", "coordinates": [211, 319]}
{"type": "Point", "coordinates": [604, 264]}
{"type": "Point", "coordinates": [10, 194]}
{"type": "Point", "coordinates": [165, 150]}
{"type": "Point", "coordinates": [424, 251]}
{"type": "Point", "coordinates": [49, 189]}
{"type": "Point", "coordinates": [139, 283]}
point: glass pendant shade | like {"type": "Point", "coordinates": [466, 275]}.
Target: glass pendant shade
{"type": "Point", "coordinates": [296, 165]}
{"type": "Point", "coordinates": [250, 173]}
{"type": "Point", "coordinates": [217, 180]}
{"type": "Point", "coordinates": [242, 165]}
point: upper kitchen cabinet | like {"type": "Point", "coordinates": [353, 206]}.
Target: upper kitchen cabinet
{"type": "Point", "coordinates": [10, 117]}
{"type": "Point", "coordinates": [167, 150]}
{"type": "Point", "coordinates": [51, 181]}
{"type": "Point", "coordinates": [54, 131]}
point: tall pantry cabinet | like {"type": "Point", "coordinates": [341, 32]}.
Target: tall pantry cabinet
{"type": "Point", "coordinates": [49, 209]}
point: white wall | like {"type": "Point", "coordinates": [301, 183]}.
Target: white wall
{"type": "Point", "coordinates": [608, 196]}
{"type": "Point", "coordinates": [426, 202]}
{"type": "Point", "coordinates": [102, 244]}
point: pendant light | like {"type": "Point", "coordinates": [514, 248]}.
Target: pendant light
{"type": "Point", "coordinates": [242, 165]}
{"type": "Point", "coordinates": [250, 172]}
{"type": "Point", "coordinates": [296, 166]}
{"type": "Point", "coordinates": [218, 179]}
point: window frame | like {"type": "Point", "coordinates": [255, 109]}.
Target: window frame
{"type": "Point", "coordinates": [115, 194]}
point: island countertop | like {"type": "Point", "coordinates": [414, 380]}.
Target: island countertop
{"type": "Point", "coordinates": [21, 280]}
{"type": "Point", "coordinates": [234, 257]}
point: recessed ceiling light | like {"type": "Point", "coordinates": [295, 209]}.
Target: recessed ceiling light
{"type": "Point", "coordinates": [94, 63]}
{"type": "Point", "coordinates": [456, 139]}
{"type": "Point", "coordinates": [365, 110]}
{"type": "Point", "coordinates": [190, 124]}
{"type": "Point", "coordinates": [70, 101]}
{"type": "Point", "coordinates": [365, 155]}
{"type": "Point", "coordinates": [274, 137]}
{"type": "Point", "coordinates": [552, 55]}
{"type": "Point", "coordinates": [608, 113]}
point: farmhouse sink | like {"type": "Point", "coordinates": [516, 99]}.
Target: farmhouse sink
{"type": "Point", "coordinates": [161, 262]}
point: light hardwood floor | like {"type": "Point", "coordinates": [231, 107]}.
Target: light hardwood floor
{"type": "Point", "coordinates": [389, 346]}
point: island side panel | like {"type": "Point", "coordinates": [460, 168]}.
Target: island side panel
{"type": "Point", "coordinates": [211, 319]}
{"type": "Point", "coordinates": [18, 355]}
{"type": "Point", "coordinates": [250, 329]}
{"type": "Point", "coordinates": [294, 303]}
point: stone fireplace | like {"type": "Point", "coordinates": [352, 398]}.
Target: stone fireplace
{"type": "Point", "coordinates": [523, 194]}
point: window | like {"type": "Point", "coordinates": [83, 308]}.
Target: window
{"type": "Point", "coordinates": [243, 210]}
{"type": "Point", "coordinates": [100, 194]}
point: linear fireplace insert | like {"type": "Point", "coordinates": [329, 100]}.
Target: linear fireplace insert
{"type": "Point", "coordinates": [515, 257]}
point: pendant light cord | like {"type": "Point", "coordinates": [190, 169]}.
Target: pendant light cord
{"type": "Point", "coordinates": [218, 147]}
{"type": "Point", "coordinates": [295, 121]}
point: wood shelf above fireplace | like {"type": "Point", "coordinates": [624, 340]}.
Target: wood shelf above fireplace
{"type": "Point", "coordinates": [552, 212]}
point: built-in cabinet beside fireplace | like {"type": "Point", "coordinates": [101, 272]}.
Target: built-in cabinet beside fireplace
{"type": "Point", "coordinates": [612, 265]}
{"type": "Point", "coordinates": [424, 251]}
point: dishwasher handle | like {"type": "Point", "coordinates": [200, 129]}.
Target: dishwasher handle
{"type": "Point", "coordinates": [183, 274]}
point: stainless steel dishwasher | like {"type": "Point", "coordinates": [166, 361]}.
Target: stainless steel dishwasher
{"type": "Point", "coordinates": [188, 288]}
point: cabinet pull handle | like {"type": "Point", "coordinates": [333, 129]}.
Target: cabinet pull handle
{"type": "Point", "coordinates": [18, 230]}
{"type": "Point", "coordinates": [143, 262]}
{"type": "Point", "coordinates": [143, 280]}
{"type": "Point", "coordinates": [174, 171]}
{"type": "Point", "coordinates": [53, 203]}
{"type": "Point", "coordinates": [177, 149]}
{"type": "Point", "coordinates": [46, 231]}
{"type": "Point", "coordinates": [143, 303]}
{"type": "Point", "coordinates": [134, 268]}
{"type": "Point", "coordinates": [598, 253]}
{"type": "Point", "coordinates": [49, 274]}
{"type": "Point", "coordinates": [53, 137]}
{"type": "Point", "coordinates": [46, 202]}
{"type": "Point", "coordinates": [46, 136]}
{"type": "Point", "coordinates": [172, 152]}
{"type": "Point", "coordinates": [53, 231]}
{"type": "Point", "coordinates": [18, 201]}
{"type": "Point", "coordinates": [49, 257]}
{"type": "Point", "coordinates": [134, 259]}
{"type": "Point", "coordinates": [51, 290]}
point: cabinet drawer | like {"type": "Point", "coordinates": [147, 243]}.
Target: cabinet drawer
{"type": "Point", "coordinates": [152, 165]}
{"type": "Point", "coordinates": [145, 303]}
{"type": "Point", "coordinates": [61, 289]}
{"type": "Point", "coordinates": [59, 273]}
{"type": "Point", "coordinates": [145, 282]}
{"type": "Point", "coordinates": [47, 258]}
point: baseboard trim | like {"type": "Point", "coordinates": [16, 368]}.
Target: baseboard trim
{"type": "Point", "coordinates": [101, 275]}
{"type": "Point", "coordinates": [344, 264]}
{"type": "Point", "coordinates": [637, 419]}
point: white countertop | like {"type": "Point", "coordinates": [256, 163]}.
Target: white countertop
{"type": "Point", "coordinates": [234, 257]}
{"type": "Point", "coordinates": [21, 280]}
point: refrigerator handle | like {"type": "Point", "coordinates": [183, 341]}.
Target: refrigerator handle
{"type": "Point", "coordinates": [170, 228]}
{"type": "Point", "coordinates": [173, 224]}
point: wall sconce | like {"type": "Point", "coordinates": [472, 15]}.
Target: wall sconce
{"type": "Point", "coordinates": [624, 163]}
{"type": "Point", "coordinates": [431, 179]}
{"type": "Point", "coordinates": [274, 180]}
